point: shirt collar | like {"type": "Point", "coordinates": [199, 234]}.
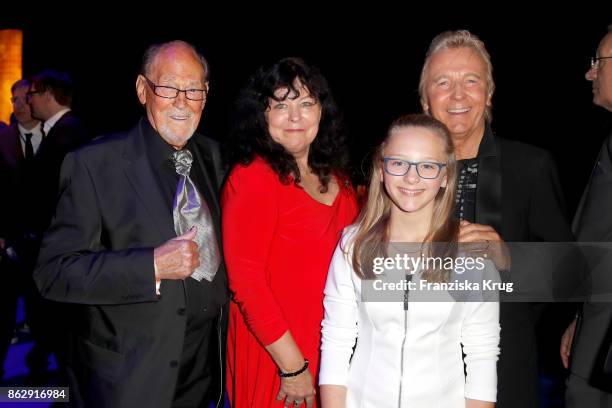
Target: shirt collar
{"type": "Point", "coordinates": [49, 123]}
{"type": "Point", "coordinates": [35, 131]}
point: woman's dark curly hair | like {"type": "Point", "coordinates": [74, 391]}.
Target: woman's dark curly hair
{"type": "Point", "coordinates": [249, 136]}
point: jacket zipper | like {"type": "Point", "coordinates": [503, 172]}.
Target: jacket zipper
{"type": "Point", "coordinates": [408, 279]}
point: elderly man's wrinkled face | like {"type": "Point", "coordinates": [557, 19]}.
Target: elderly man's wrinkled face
{"type": "Point", "coordinates": [601, 74]}
{"type": "Point", "coordinates": [175, 119]}
{"type": "Point", "coordinates": [456, 91]}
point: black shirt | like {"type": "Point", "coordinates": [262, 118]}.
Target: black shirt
{"type": "Point", "coordinates": [467, 182]}
{"type": "Point", "coordinates": [194, 371]}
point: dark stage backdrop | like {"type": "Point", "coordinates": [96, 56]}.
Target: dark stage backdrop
{"type": "Point", "coordinates": [372, 59]}
{"type": "Point", "coordinates": [371, 55]}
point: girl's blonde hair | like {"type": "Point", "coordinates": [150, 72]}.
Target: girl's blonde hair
{"type": "Point", "coordinates": [372, 234]}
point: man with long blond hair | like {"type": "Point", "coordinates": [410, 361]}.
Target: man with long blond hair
{"type": "Point", "coordinates": [507, 191]}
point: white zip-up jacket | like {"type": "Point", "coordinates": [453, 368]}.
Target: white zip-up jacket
{"type": "Point", "coordinates": [405, 358]}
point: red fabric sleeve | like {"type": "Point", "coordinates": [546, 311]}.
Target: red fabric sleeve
{"type": "Point", "coordinates": [249, 212]}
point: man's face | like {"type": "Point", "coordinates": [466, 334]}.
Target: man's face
{"type": "Point", "coordinates": [175, 119]}
{"type": "Point", "coordinates": [21, 109]}
{"type": "Point", "coordinates": [601, 75]}
{"type": "Point", "coordinates": [38, 101]}
{"type": "Point", "coordinates": [456, 91]}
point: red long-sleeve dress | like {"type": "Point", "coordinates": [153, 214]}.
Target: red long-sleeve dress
{"type": "Point", "coordinates": [278, 242]}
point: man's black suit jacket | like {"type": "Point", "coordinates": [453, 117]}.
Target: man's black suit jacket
{"type": "Point", "coordinates": [30, 192]}
{"type": "Point", "coordinates": [519, 194]}
{"type": "Point", "coordinates": [591, 355]}
{"type": "Point", "coordinates": [12, 180]}
{"type": "Point", "coordinates": [98, 253]}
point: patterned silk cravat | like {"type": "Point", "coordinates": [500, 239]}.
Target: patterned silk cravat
{"type": "Point", "coordinates": [189, 210]}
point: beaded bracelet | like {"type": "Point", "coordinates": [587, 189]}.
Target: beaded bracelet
{"type": "Point", "coordinates": [295, 373]}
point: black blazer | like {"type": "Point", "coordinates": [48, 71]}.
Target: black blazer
{"type": "Point", "coordinates": [67, 134]}
{"type": "Point", "coordinates": [519, 194]}
{"type": "Point", "coordinates": [30, 192]}
{"type": "Point", "coordinates": [29, 196]}
{"type": "Point", "coordinates": [11, 179]}
{"type": "Point", "coordinates": [98, 253]}
{"type": "Point", "coordinates": [592, 345]}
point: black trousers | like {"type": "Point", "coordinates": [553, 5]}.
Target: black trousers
{"type": "Point", "coordinates": [9, 292]}
{"type": "Point", "coordinates": [195, 375]}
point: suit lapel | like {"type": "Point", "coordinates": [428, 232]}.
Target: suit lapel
{"type": "Point", "coordinates": [489, 190]}
{"type": "Point", "coordinates": [202, 175]}
{"type": "Point", "coordinates": [13, 147]}
{"type": "Point", "coordinates": [49, 138]}
{"type": "Point", "coordinates": [58, 124]}
{"type": "Point", "coordinates": [141, 176]}
{"type": "Point", "coordinates": [593, 218]}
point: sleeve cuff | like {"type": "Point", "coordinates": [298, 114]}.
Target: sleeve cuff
{"type": "Point", "coordinates": [332, 378]}
{"type": "Point", "coordinates": [481, 394]}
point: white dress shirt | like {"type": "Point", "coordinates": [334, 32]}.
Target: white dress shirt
{"type": "Point", "coordinates": [49, 123]}
{"type": "Point", "coordinates": [36, 137]}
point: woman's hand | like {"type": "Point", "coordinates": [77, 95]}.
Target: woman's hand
{"type": "Point", "coordinates": [494, 246]}
{"type": "Point", "coordinates": [297, 390]}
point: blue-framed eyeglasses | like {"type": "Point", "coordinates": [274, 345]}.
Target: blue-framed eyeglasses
{"type": "Point", "coordinates": [425, 169]}
{"type": "Point", "coordinates": [170, 92]}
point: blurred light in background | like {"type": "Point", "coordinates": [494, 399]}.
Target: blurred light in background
{"type": "Point", "coordinates": [11, 42]}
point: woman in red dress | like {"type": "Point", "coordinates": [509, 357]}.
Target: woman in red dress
{"type": "Point", "coordinates": [284, 207]}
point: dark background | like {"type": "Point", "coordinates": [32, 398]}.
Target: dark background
{"type": "Point", "coordinates": [371, 57]}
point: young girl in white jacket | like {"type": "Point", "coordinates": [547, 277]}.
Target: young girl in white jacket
{"type": "Point", "coordinates": [406, 353]}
